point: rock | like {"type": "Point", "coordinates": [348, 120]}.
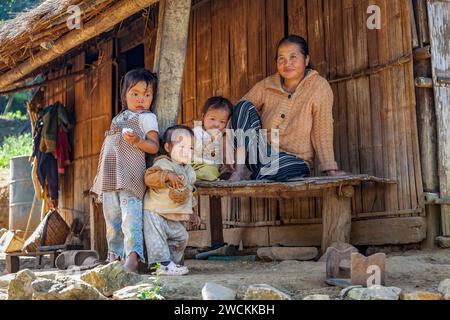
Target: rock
{"type": "Point", "coordinates": [135, 292]}
{"type": "Point", "coordinates": [264, 292]}
{"type": "Point", "coordinates": [420, 295]}
{"type": "Point", "coordinates": [3, 295]}
{"type": "Point", "coordinates": [213, 291]}
{"type": "Point", "coordinates": [317, 297]}
{"type": "Point", "coordinates": [341, 246]}
{"type": "Point", "coordinates": [443, 242]}
{"type": "Point", "coordinates": [287, 253]}
{"type": "Point", "coordinates": [444, 288]}
{"type": "Point", "coordinates": [345, 291]}
{"type": "Point", "coordinates": [110, 278]}
{"type": "Point", "coordinates": [6, 279]}
{"type": "Point", "coordinates": [64, 289]}
{"type": "Point", "coordinates": [19, 288]}
{"type": "Point", "coordinates": [375, 292]}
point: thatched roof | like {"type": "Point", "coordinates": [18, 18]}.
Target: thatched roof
{"type": "Point", "coordinates": [30, 32]}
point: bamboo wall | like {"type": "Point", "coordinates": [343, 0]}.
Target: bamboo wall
{"type": "Point", "coordinates": [90, 99]}
{"type": "Point", "coordinates": [232, 45]}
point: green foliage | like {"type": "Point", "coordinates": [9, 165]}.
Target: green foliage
{"type": "Point", "coordinates": [18, 115]}
{"type": "Point", "coordinates": [155, 292]}
{"type": "Point", "coordinates": [19, 102]}
{"type": "Point", "coordinates": [14, 146]}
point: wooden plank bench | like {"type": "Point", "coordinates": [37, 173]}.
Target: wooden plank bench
{"type": "Point", "coordinates": [13, 259]}
{"type": "Point", "coordinates": [336, 192]}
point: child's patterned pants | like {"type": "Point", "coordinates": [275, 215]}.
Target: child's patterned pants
{"type": "Point", "coordinates": [165, 239]}
{"type": "Point", "coordinates": [123, 217]}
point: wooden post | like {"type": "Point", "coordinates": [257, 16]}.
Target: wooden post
{"type": "Point", "coordinates": [98, 229]}
{"type": "Point", "coordinates": [439, 15]}
{"type": "Point", "coordinates": [426, 125]}
{"type": "Point", "coordinates": [336, 215]}
{"type": "Point", "coordinates": [215, 220]}
{"type": "Point", "coordinates": [12, 263]}
{"type": "Point", "coordinates": [9, 104]}
{"type": "Point", "coordinates": [170, 60]}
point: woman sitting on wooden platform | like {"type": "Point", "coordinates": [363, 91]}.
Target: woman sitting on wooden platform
{"type": "Point", "coordinates": [297, 102]}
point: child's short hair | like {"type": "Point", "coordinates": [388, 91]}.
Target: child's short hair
{"type": "Point", "coordinates": [218, 103]}
{"type": "Point", "coordinates": [167, 137]}
{"type": "Point", "coordinates": [132, 78]}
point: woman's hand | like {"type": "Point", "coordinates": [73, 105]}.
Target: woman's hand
{"type": "Point", "coordinates": [336, 173]}
{"type": "Point", "coordinates": [131, 138]}
{"type": "Point", "coordinates": [195, 220]}
{"type": "Point", "coordinates": [174, 180]}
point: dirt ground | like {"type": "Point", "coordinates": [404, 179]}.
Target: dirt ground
{"type": "Point", "coordinates": [411, 270]}
{"type": "Point", "coordinates": [4, 177]}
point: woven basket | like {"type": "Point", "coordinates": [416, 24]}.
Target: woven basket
{"type": "Point", "coordinates": [52, 230]}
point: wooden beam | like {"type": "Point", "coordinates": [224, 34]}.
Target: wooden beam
{"type": "Point", "coordinates": [388, 231]}
{"type": "Point", "coordinates": [170, 60]}
{"type": "Point", "coordinates": [439, 14]}
{"type": "Point", "coordinates": [423, 53]}
{"type": "Point", "coordinates": [101, 23]}
{"type": "Point", "coordinates": [423, 82]}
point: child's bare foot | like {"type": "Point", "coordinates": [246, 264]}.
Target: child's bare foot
{"type": "Point", "coordinates": [132, 263]}
{"type": "Point", "coordinates": [240, 173]}
{"type": "Point", "coordinates": [112, 257]}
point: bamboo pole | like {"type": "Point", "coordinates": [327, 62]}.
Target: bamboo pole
{"type": "Point", "coordinates": [172, 56]}
{"type": "Point", "coordinates": [103, 22]}
{"type": "Point", "coordinates": [428, 146]}
{"type": "Point", "coordinates": [438, 14]}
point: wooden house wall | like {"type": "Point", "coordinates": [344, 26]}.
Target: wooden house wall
{"type": "Point", "coordinates": [232, 46]}
{"type": "Point", "coordinates": [89, 97]}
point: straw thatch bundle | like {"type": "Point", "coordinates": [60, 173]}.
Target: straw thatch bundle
{"type": "Point", "coordinates": [30, 32]}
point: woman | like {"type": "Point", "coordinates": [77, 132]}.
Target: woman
{"type": "Point", "coordinates": [298, 102]}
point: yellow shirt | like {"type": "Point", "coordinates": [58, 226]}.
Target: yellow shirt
{"type": "Point", "coordinates": [157, 197]}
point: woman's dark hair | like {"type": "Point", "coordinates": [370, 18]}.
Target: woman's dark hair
{"type": "Point", "coordinates": [218, 103]}
{"type": "Point", "coordinates": [132, 78]}
{"type": "Point", "coordinates": [167, 137]}
{"type": "Point", "coordinates": [299, 41]}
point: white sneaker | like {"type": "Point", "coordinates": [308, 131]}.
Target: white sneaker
{"type": "Point", "coordinates": [172, 269]}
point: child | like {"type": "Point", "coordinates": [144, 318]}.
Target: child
{"type": "Point", "coordinates": [119, 183]}
{"type": "Point", "coordinates": [209, 141]}
{"type": "Point", "coordinates": [169, 201]}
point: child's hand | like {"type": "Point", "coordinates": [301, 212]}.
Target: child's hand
{"type": "Point", "coordinates": [195, 220]}
{"type": "Point", "coordinates": [131, 138]}
{"type": "Point", "coordinates": [174, 180]}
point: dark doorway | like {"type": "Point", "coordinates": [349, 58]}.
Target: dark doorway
{"type": "Point", "coordinates": [126, 61]}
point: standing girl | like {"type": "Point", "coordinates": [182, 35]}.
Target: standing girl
{"type": "Point", "coordinates": [119, 183]}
